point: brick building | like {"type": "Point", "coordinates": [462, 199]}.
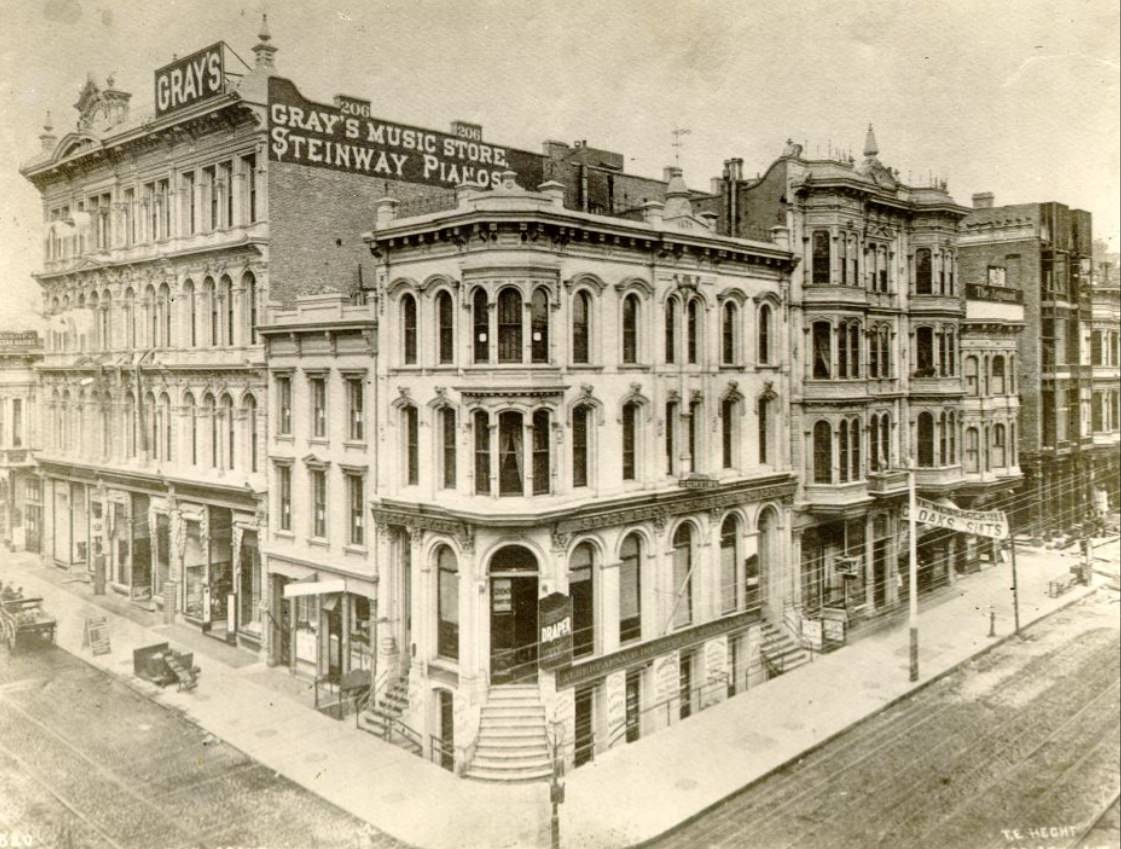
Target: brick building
{"type": "Point", "coordinates": [877, 306]}
{"type": "Point", "coordinates": [21, 517]}
{"type": "Point", "coordinates": [1043, 250]}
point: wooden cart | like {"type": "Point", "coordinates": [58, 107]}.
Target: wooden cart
{"type": "Point", "coordinates": [23, 623]}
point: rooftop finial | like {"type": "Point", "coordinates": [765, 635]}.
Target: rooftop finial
{"type": "Point", "coordinates": [48, 125]}
{"type": "Point", "coordinates": [264, 34]}
{"type": "Point", "coordinates": [870, 146]}
{"type": "Point", "coordinates": [263, 49]}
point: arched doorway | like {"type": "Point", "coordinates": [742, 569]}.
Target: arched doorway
{"type": "Point", "coordinates": [770, 559]}
{"type": "Point", "coordinates": [513, 615]}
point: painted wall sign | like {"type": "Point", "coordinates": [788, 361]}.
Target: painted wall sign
{"type": "Point", "coordinates": [990, 523]}
{"type": "Point", "coordinates": [554, 620]}
{"type": "Point", "coordinates": [190, 79]}
{"type": "Point", "coordinates": [342, 138]}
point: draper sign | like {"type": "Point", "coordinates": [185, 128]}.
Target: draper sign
{"type": "Point", "coordinates": [190, 79]}
{"type": "Point", "coordinates": [328, 137]}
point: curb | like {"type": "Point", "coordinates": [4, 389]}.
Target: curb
{"type": "Point", "coordinates": [649, 841]}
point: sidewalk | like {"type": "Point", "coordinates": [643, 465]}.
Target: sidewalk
{"type": "Point", "coordinates": [630, 794]}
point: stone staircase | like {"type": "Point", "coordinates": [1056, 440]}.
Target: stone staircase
{"type": "Point", "coordinates": [513, 743]}
{"type": "Point", "coordinates": [780, 652]}
{"type": "Point", "coordinates": [382, 718]}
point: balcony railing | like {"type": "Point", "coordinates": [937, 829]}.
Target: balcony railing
{"type": "Point", "coordinates": [888, 482]}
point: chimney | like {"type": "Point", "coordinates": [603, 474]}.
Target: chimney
{"type": "Point", "coordinates": [555, 192]}
{"type": "Point", "coordinates": [385, 210]}
{"type": "Point", "coordinates": [983, 200]}
{"type": "Point", "coordinates": [652, 212]}
{"type": "Point", "coordinates": [735, 169]}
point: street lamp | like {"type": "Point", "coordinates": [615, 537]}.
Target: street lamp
{"type": "Point", "coordinates": [912, 571]}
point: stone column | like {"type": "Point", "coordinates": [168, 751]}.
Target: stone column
{"type": "Point", "coordinates": [869, 564]}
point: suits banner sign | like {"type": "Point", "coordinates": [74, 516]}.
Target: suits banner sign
{"type": "Point", "coordinates": [988, 523]}
{"type": "Point", "coordinates": [345, 137]}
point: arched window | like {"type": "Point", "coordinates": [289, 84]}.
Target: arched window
{"type": "Point", "coordinates": [192, 427]}
{"type": "Point", "coordinates": [152, 424]}
{"type": "Point", "coordinates": [249, 283]}
{"type": "Point", "coordinates": [580, 445]}
{"type": "Point", "coordinates": [251, 426]}
{"type": "Point", "coordinates": [1000, 459]}
{"type": "Point", "coordinates": [581, 589]}
{"type": "Point", "coordinates": [971, 387]}
{"type": "Point", "coordinates": [106, 318]}
{"type": "Point", "coordinates": [854, 348]}
{"type": "Point", "coordinates": [1012, 374]}
{"type": "Point", "coordinates": [511, 455]}
{"type": "Point", "coordinates": [541, 459]}
{"type": "Point", "coordinates": [843, 259]}
{"type": "Point", "coordinates": [410, 425]}
{"type": "Point", "coordinates": [130, 319]}
{"type": "Point", "coordinates": [696, 430]}
{"type": "Point", "coordinates": [447, 603]}
{"type": "Point", "coordinates": [166, 437]}
{"type": "Point", "coordinates": [972, 463]}
{"type": "Point", "coordinates": [630, 329]}
{"type": "Point", "coordinates": [445, 329]}
{"type": "Point", "coordinates": [885, 439]}
{"type": "Point", "coordinates": [857, 468]}
{"type": "Point", "coordinates": [539, 321]}
{"type": "Point", "coordinates": [885, 352]}
{"type": "Point", "coordinates": [97, 341]}
{"type": "Point", "coordinates": [210, 294]}
{"type": "Point", "coordinates": [923, 278]}
{"type": "Point", "coordinates": [998, 375]}
{"type": "Point", "coordinates": [692, 330]}
{"type": "Point", "coordinates": [480, 325]}
{"type": "Point", "coordinates": [408, 330]}
{"type": "Point", "coordinates": [953, 426]}
{"type": "Point", "coordinates": [821, 258]}
{"type": "Point", "coordinates": [630, 588]}
{"type": "Point", "coordinates": [151, 309]}
{"type": "Point", "coordinates": [671, 432]}
{"type": "Point", "coordinates": [925, 438]}
{"type": "Point", "coordinates": [943, 439]}
{"type": "Point", "coordinates": [842, 352]}
{"type": "Point", "coordinates": [481, 426]}
{"type": "Point", "coordinates": [874, 443]}
{"type": "Point", "coordinates": [191, 316]}
{"type": "Point", "coordinates": [873, 352]}
{"type": "Point", "coordinates": [843, 450]}
{"type": "Point", "coordinates": [228, 300]}
{"type": "Point", "coordinates": [165, 314]}
{"type": "Point", "coordinates": [683, 575]}
{"type": "Point", "coordinates": [671, 330]}
{"type": "Point", "coordinates": [729, 562]}
{"type": "Point", "coordinates": [231, 430]}
{"type": "Point", "coordinates": [509, 326]}
{"type": "Point", "coordinates": [131, 424]}
{"type": "Point", "coordinates": [823, 452]}
{"type": "Point", "coordinates": [948, 353]}
{"type": "Point", "coordinates": [924, 352]}
{"type": "Point", "coordinates": [822, 350]}
{"type": "Point", "coordinates": [729, 343]}
{"type": "Point", "coordinates": [448, 436]}
{"type": "Point", "coordinates": [630, 441]}
{"type": "Point", "coordinates": [728, 432]}
{"type": "Point", "coordinates": [211, 413]}
{"type": "Point", "coordinates": [764, 338]}
{"type": "Point", "coordinates": [581, 331]}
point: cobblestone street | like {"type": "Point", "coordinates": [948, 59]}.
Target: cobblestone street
{"type": "Point", "coordinates": [87, 762]}
{"type": "Point", "coordinates": [1018, 747]}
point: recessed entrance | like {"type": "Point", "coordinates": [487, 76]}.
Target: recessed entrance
{"type": "Point", "coordinates": [513, 616]}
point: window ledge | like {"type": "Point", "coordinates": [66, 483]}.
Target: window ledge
{"type": "Point", "coordinates": [352, 548]}
{"type": "Point", "coordinates": [318, 542]}
{"type": "Point", "coordinates": [351, 443]}
{"type": "Point", "coordinates": [635, 366]}
{"type": "Point", "coordinates": [767, 367]}
{"type": "Point", "coordinates": [283, 534]}
{"type": "Point", "coordinates": [318, 440]}
{"type": "Point", "coordinates": [284, 437]}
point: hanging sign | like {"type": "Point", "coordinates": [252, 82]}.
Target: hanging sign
{"type": "Point", "coordinates": [502, 599]}
{"type": "Point", "coordinates": [990, 523]}
{"type": "Point", "coordinates": [554, 620]}
{"type": "Point", "coordinates": [346, 137]}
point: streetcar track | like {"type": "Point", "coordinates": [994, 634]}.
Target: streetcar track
{"type": "Point", "coordinates": [1089, 829]}
{"type": "Point", "coordinates": [106, 772]}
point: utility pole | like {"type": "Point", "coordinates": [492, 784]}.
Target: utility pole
{"type": "Point", "coordinates": [913, 570]}
{"type": "Point", "coordinates": [556, 785]}
{"type": "Point", "coordinates": [1015, 585]}
{"type": "Point", "coordinates": [678, 143]}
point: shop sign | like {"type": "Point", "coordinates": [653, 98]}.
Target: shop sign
{"type": "Point", "coordinates": [989, 523]}
{"type": "Point", "coordinates": [190, 79]}
{"type": "Point", "coordinates": [554, 620]}
{"type": "Point", "coordinates": [814, 633]}
{"type": "Point", "coordinates": [345, 137]}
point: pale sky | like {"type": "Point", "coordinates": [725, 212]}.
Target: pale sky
{"type": "Point", "coordinates": [1019, 98]}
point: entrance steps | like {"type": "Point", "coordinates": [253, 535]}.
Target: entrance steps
{"type": "Point", "coordinates": [780, 652]}
{"type": "Point", "coordinates": [513, 743]}
{"type": "Point", "coordinates": [382, 718]}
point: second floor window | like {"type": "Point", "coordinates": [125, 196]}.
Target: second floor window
{"type": "Point", "coordinates": [445, 329]}
{"type": "Point", "coordinates": [480, 319]}
{"type": "Point", "coordinates": [509, 326]}
{"type": "Point", "coordinates": [410, 420]}
{"type": "Point", "coordinates": [284, 405]}
{"type": "Point", "coordinates": [541, 457]}
{"type": "Point", "coordinates": [821, 258]}
{"type": "Point", "coordinates": [408, 330]}
{"type": "Point", "coordinates": [319, 503]}
{"type": "Point", "coordinates": [924, 277]}
{"type": "Point", "coordinates": [284, 478]}
{"type": "Point", "coordinates": [318, 387]}
{"type": "Point", "coordinates": [580, 446]}
{"type": "Point", "coordinates": [630, 441]}
{"type": "Point", "coordinates": [448, 439]}
{"type": "Point", "coordinates": [356, 421]}
{"type": "Point", "coordinates": [481, 427]}
{"type": "Point", "coordinates": [356, 496]}
{"type": "Point", "coordinates": [581, 332]}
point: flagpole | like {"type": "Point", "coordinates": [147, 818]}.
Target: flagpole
{"type": "Point", "coordinates": [912, 544]}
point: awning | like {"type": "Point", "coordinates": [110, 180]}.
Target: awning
{"type": "Point", "coordinates": [305, 588]}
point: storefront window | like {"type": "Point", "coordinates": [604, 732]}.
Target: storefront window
{"type": "Point", "coordinates": [447, 638]}
{"type": "Point", "coordinates": [359, 632]}
{"type": "Point", "coordinates": [249, 593]}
